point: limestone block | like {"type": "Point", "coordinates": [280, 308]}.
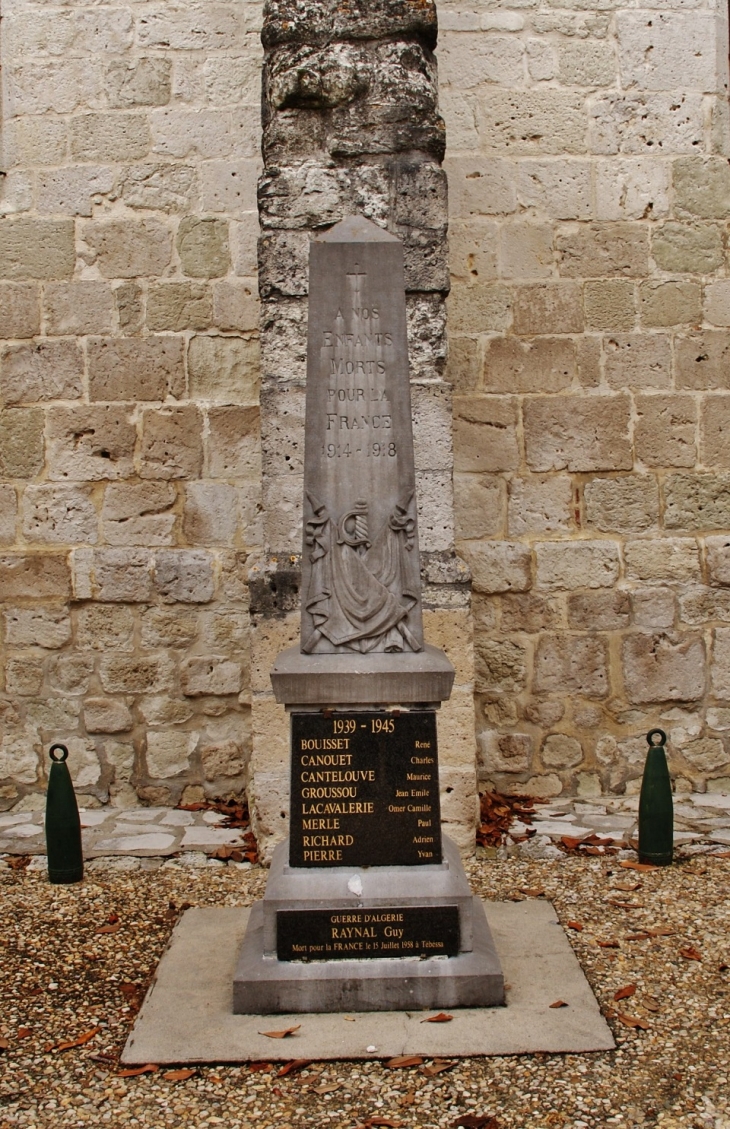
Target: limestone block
{"type": "Point", "coordinates": [703, 360]}
{"type": "Point", "coordinates": [106, 715]}
{"type": "Point", "coordinates": [553, 307]}
{"type": "Point", "coordinates": [121, 758]}
{"type": "Point", "coordinates": [717, 550]}
{"type": "Point", "coordinates": [49, 87]}
{"type": "Point", "coordinates": [586, 63]}
{"type": "Point", "coordinates": [268, 798]}
{"type": "Point", "coordinates": [571, 664]}
{"type": "Point", "coordinates": [202, 676]}
{"type": "Point", "coordinates": [561, 751]}
{"type": "Point", "coordinates": [485, 433]}
{"type": "Point", "coordinates": [174, 306]}
{"type": "Point", "coordinates": [599, 610]}
{"type": "Point", "coordinates": [129, 248]}
{"type": "Point", "coordinates": [169, 627]}
{"type": "Point", "coordinates": [74, 191]}
{"type": "Point", "coordinates": [194, 28]}
{"type": "Point", "coordinates": [19, 309]}
{"type": "Point", "coordinates": [59, 515]}
{"type": "Point", "coordinates": [526, 612]}
{"type": "Point", "coordinates": [479, 506]}
{"type": "Point", "coordinates": [480, 186]}
{"type": "Point", "coordinates": [665, 430]}
{"type": "Point", "coordinates": [464, 364]}
{"type": "Point", "coordinates": [133, 368]}
{"type": "Point", "coordinates": [544, 364]}
{"type": "Point", "coordinates": [540, 505]}
{"type": "Point", "coordinates": [569, 433]}
{"type": "Point", "coordinates": [503, 752]}
{"type": "Point", "coordinates": [21, 442]}
{"type": "Point", "coordinates": [37, 627]}
{"type": "Point", "coordinates": [105, 627]}
{"type": "Point", "coordinates": [699, 605]}
{"type": "Point", "coordinates": [666, 50]}
{"type": "Point", "coordinates": [136, 513]}
{"type": "Point", "coordinates": [270, 732]}
{"type": "Point", "coordinates": [610, 304]}
{"type": "Point", "coordinates": [161, 185]}
{"type": "Point", "coordinates": [222, 759]}
{"type": "Point", "coordinates": [435, 511]}
{"type": "Point", "coordinates": [71, 673]}
{"type": "Point", "coordinates": [719, 718]}
{"type": "Point", "coordinates": [542, 60]}
{"type": "Point", "coordinates": [629, 504]}
{"type": "Point", "coordinates": [77, 308]}
{"type": "Point", "coordinates": [631, 188]}
{"type": "Point", "coordinates": [45, 370]}
{"type": "Point", "coordinates": [234, 445]}
{"type": "Point", "coordinates": [561, 188]}
{"type": "Point", "coordinates": [473, 250]}
{"type": "Point", "coordinates": [148, 674]}
{"type": "Point", "coordinates": [202, 245]}
{"type": "Point", "coordinates": [500, 664]}
{"type": "Point", "coordinates": [19, 756]}
{"type": "Point", "coordinates": [706, 754]}
{"type": "Point", "coordinates": [456, 730]}
{"type": "Point", "coordinates": [122, 575]}
{"type": "Point", "coordinates": [638, 360]}
{"type": "Point", "coordinates": [224, 368]}
{"type": "Point", "coordinates": [236, 306]}
{"type": "Point", "coordinates": [663, 667]}
{"type": "Point", "coordinates": [533, 122]}
{"type": "Point", "coordinates": [168, 753]}
{"type": "Point", "coordinates": [670, 303]}
{"type": "Point", "coordinates": [109, 137]}
{"type": "Point", "coordinates": [138, 82]}
{"type": "Point", "coordinates": [243, 238]}
{"type": "Point", "coordinates": [36, 248]}
{"type": "Point", "coordinates": [577, 564]}
{"type": "Point", "coordinates": [282, 440]}
{"type": "Point", "coordinates": [480, 309]}
{"type": "Point", "coordinates": [668, 558]}
{"type": "Point", "coordinates": [720, 665]}
{"type": "Point", "coordinates": [164, 710]}
{"type": "Point", "coordinates": [185, 575]}
{"type": "Point", "coordinates": [23, 675]}
{"type": "Point", "coordinates": [37, 141]}
{"type": "Point", "coordinates": [229, 186]}
{"type": "Point", "coordinates": [701, 186]}
{"type": "Point", "coordinates": [34, 576]}
{"type": "Point", "coordinates": [53, 715]}
{"type": "Point", "coordinates": [687, 248]}
{"type": "Point", "coordinates": [172, 443]}
{"type": "Point", "coordinates": [8, 513]}
{"type": "Point", "coordinates": [653, 607]}
{"type": "Point", "coordinates": [211, 515]}
{"type": "Point", "coordinates": [467, 60]}
{"type": "Point", "coordinates": [545, 786]}
{"type": "Point", "coordinates": [525, 250]}
{"type": "Point", "coordinates": [128, 298]}
{"type": "Point", "coordinates": [432, 421]}
{"type": "Point", "coordinates": [606, 250]}
{"type": "Point", "coordinates": [700, 501]}
{"type": "Point", "coordinates": [282, 506]}
{"type": "Point", "coordinates": [498, 566]}
{"type": "Point", "coordinates": [227, 631]}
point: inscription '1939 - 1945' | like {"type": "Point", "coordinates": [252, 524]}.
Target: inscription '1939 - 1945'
{"type": "Point", "coordinates": [364, 790]}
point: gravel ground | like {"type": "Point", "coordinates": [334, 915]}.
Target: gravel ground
{"type": "Point", "coordinates": [78, 959]}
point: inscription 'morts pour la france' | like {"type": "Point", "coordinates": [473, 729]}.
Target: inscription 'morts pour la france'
{"type": "Point", "coordinates": [360, 566]}
{"type": "Point", "coordinates": [364, 789]}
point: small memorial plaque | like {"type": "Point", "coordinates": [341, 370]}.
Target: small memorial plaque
{"type": "Point", "coordinates": [364, 789]}
{"type": "Point", "coordinates": [361, 934]}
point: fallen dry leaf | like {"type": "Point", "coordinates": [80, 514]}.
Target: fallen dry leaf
{"type": "Point", "coordinates": [112, 927]}
{"type": "Point", "coordinates": [179, 1075]}
{"type": "Point", "coordinates": [650, 1003]}
{"type": "Point", "coordinates": [622, 904]}
{"type": "Point", "coordinates": [133, 1071]}
{"type": "Point", "coordinates": [255, 1067]}
{"type": "Point", "coordinates": [537, 892]}
{"type": "Point", "coordinates": [559, 1003]}
{"type": "Point", "coordinates": [294, 1065]}
{"type": "Point", "coordinates": [23, 1032]}
{"type": "Point", "coordinates": [438, 1066]}
{"type": "Point", "coordinates": [625, 993]}
{"type": "Point", "coordinates": [475, 1121]}
{"type": "Point", "coordinates": [575, 925]}
{"type": "Point", "coordinates": [404, 1060]}
{"type": "Point", "coordinates": [629, 864]}
{"type": "Point", "coordinates": [281, 1034]}
{"type": "Point", "coordinates": [690, 953]}
{"type": "Point", "coordinates": [4, 1044]}
{"type": "Point", "coordinates": [79, 1041]}
{"type": "Point", "coordinates": [723, 967]}
{"type": "Point", "coordinates": [328, 1088]}
{"type": "Point", "coordinates": [571, 843]}
{"type": "Point", "coordinates": [349, 1019]}
{"type": "Point", "coordinates": [633, 1021]}
{"type": "Point", "coordinates": [371, 1121]}
{"type": "Point", "coordinates": [659, 931]}
{"type": "Point", "coordinates": [612, 943]}
{"type": "Point", "coordinates": [643, 936]}
{"type": "Point", "coordinates": [408, 1099]}
{"type": "Point", "coordinates": [442, 1017]}
{"type": "Point", "coordinates": [629, 887]}
{"type": "Point", "coordinates": [19, 862]}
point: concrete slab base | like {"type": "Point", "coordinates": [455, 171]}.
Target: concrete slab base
{"type": "Point", "coordinates": [266, 986]}
{"type": "Point", "coordinates": [188, 1017]}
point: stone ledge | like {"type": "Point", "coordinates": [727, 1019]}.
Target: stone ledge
{"type": "Point", "coordinates": [349, 679]}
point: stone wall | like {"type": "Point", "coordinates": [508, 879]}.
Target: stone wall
{"type": "Point", "coordinates": [589, 329]}
{"type": "Point", "coordinates": [590, 357]}
{"type": "Point", "coordinates": [129, 373]}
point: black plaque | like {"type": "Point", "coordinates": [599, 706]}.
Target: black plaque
{"type": "Point", "coordinates": [364, 789]}
{"type": "Point", "coordinates": [361, 934]}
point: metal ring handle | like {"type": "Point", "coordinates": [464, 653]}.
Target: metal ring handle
{"type": "Point", "coordinates": [58, 760]}
{"type": "Point", "coordinates": [662, 738]}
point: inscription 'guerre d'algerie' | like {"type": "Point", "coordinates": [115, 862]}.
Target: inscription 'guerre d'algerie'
{"type": "Point", "coordinates": [361, 573]}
